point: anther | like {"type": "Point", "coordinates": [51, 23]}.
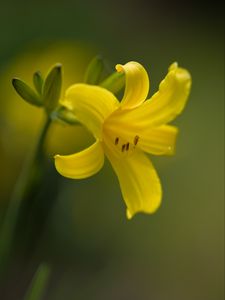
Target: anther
{"type": "Point", "coordinates": [123, 147]}
{"type": "Point", "coordinates": [116, 141]}
{"type": "Point", "coordinates": [127, 146]}
{"type": "Point", "coordinates": [136, 139]}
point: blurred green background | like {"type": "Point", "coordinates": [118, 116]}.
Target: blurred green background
{"type": "Point", "coordinates": [94, 251]}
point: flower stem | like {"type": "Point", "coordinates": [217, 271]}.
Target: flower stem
{"type": "Point", "coordinates": [29, 175]}
{"type": "Point", "coordinates": [39, 283]}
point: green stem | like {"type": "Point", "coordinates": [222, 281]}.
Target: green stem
{"type": "Point", "coordinates": [39, 283]}
{"type": "Point", "coordinates": [22, 185]}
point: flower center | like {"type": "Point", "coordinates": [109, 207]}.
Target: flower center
{"type": "Point", "coordinates": [119, 144]}
{"type": "Point", "coordinates": [127, 146]}
{"type": "Point", "coordinates": [118, 137]}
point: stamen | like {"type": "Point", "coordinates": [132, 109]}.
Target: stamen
{"type": "Point", "coordinates": [136, 139]}
{"type": "Point", "coordinates": [127, 146]}
{"type": "Point", "coordinates": [123, 147]}
{"type": "Point", "coordinates": [116, 141]}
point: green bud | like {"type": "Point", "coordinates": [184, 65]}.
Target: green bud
{"type": "Point", "coordinates": [38, 82]}
{"type": "Point", "coordinates": [94, 70]}
{"type": "Point", "coordinates": [114, 83]}
{"type": "Point", "coordinates": [27, 93]}
{"type": "Point", "coordinates": [52, 88]}
{"type": "Point", "coordinates": [62, 113]}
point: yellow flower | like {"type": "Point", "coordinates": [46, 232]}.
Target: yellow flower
{"type": "Point", "coordinates": [125, 130]}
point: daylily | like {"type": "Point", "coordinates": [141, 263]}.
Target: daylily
{"type": "Point", "coordinates": [125, 130]}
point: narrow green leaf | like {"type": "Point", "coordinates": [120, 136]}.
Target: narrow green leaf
{"type": "Point", "coordinates": [38, 82]}
{"type": "Point", "coordinates": [62, 113]}
{"type": "Point", "coordinates": [38, 284]}
{"type": "Point", "coordinates": [114, 83]}
{"type": "Point", "coordinates": [94, 70]}
{"type": "Point", "coordinates": [26, 92]}
{"type": "Point", "coordinates": [52, 87]}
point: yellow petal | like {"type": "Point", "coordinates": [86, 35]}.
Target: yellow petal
{"type": "Point", "coordinates": [137, 84]}
{"type": "Point", "coordinates": [158, 141]}
{"type": "Point", "coordinates": [82, 164]}
{"type": "Point", "coordinates": [139, 182]}
{"type": "Point", "coordinates": [172, 96]}
{"type": "Point", "coordinates": [91, 105]}
{"type": "Point", "coordinates": [164, 105]}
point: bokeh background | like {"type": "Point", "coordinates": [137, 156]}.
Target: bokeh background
{"type": "Point", "coordinates": [93, 250]}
